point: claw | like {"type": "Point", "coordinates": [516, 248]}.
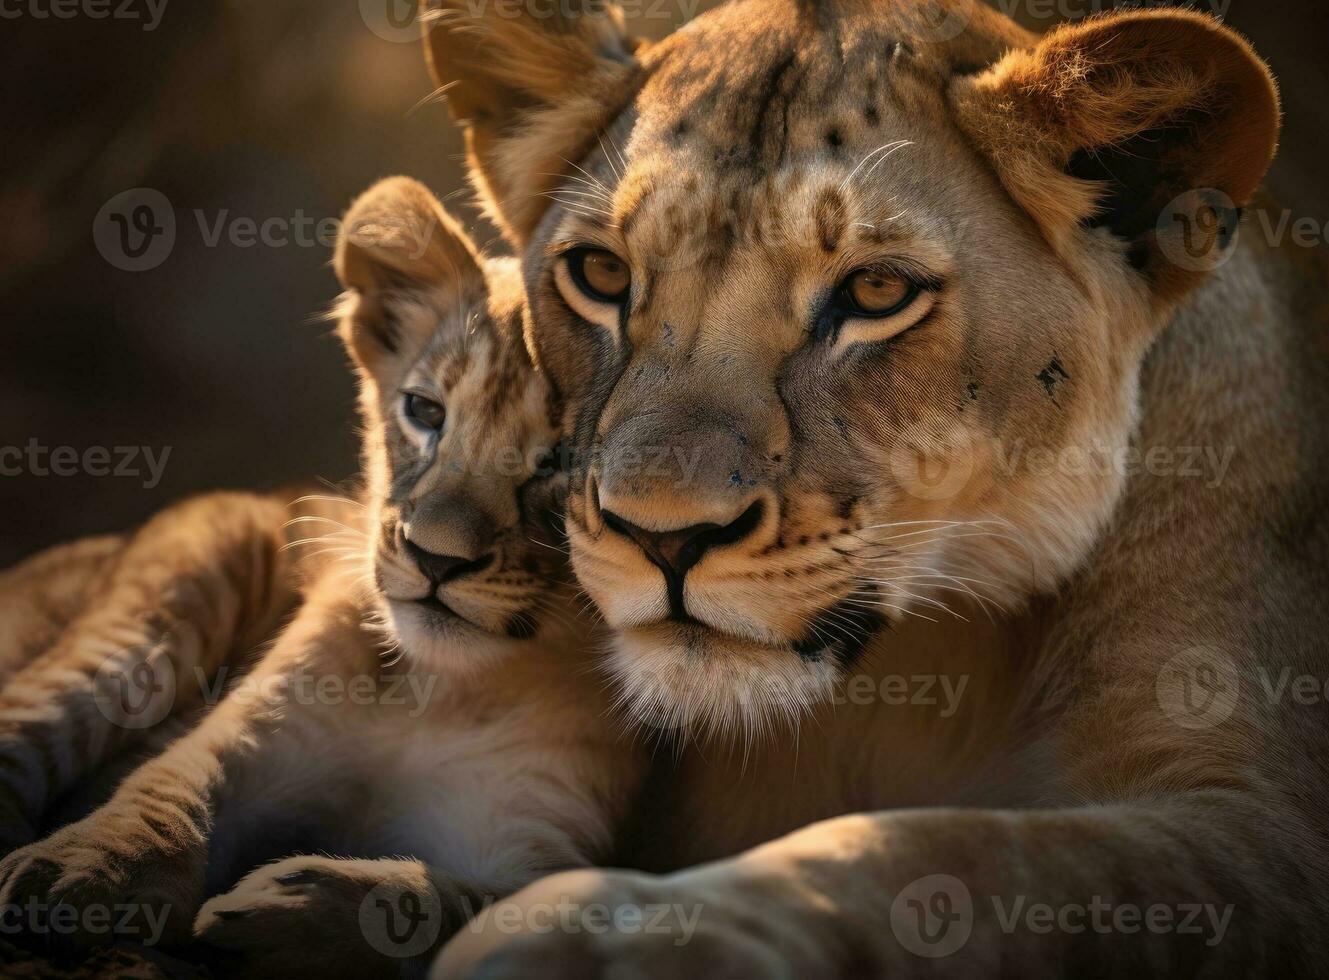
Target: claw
{"type": "Point", "coordinates": [233, 913]}
{"type": "Point", "coordinates": [304, 876]}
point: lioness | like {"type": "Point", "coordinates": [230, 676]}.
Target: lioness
{"type": "Point", "coordinates": [471, 761]}
{"type": "Point", "coordinates": [906, 310]}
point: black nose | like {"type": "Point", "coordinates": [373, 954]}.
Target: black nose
{"type": "Point", "coordinates": [675, 552]}
{"type": "Point", "coordinates": [444, 568]}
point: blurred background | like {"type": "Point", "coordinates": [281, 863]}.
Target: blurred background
{"type": "Point", "coordinates": [233, 131]}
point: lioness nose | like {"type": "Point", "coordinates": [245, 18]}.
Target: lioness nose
{"type": "Point", "coordinates": [444, 568]}
{"type": "Point", "coordinates": [675, 552]}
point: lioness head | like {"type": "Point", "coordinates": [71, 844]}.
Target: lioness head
{"type": "Point", "coordinates": [458, 430]}
{"type": "Point", "coordinates": [814, 279]}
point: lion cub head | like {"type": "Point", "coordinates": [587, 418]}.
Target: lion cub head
{"type": "Point", "coordinates": [847, 302]}
{"type": "Point", "coordinates": [458, 431]}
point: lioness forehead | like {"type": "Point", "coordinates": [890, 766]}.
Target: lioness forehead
{"type": "Point", "coordinates": [760, 121]}
{"type": "Point", "coordinates": [758, 81]}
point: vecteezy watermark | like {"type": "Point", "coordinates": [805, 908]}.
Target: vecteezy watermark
{"type": "Point", "coordinates": [412, 691]}
{"type": "Point", "coordinates": [297, 230]}
{"type": "Point", "coordinates": [138, 687]}
{"type": "Point", "coordinates": [932, 465]}
{"type": "Point", "coordinates": [138, 229]}
{"type": "Point", "coordinates": [1057, 11]}
{"type": "Point", "coordinates": [403, 22]}
{"type": "Point", "coordinates": [135, 230]}
{"type": "Point", "coordinates": [942, 691]}
{"type": "Point", "coordinates": [1283, 227]}
{"type": "Point", "coordinates": [37, 459]}
{"type": "Point", "coordinates": [1208, 464]}
{"type": "Point", "coordinates": [400, 921]}
{"type": "Point", "coordinates": [128, 920]}
{"type": "Point", "coordinates": [1198, 687]}
{"type": "Point", "coordinates": [150, 12]}
{"type": "Point", "coordinates": [594, 918]}
{"type": "Point", "coordinates": [1104, 917]}
{"type": "Point", "coordinates": [1283, 686]}
{"type": "Point", "coordinates": [135, 688]}
{"type": "Point", "coordinates": [393, 20]}
{"type": "Point", "coordinates": [933, 917]}
{"type": "Point", "coordinates": [931, 22]}
{"type": "Point", "coordinates": [1197, 230]}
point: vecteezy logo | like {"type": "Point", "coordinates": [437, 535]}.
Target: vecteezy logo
{"type": "Point", "coordinates": [1198, 687]}
{"type": "Point", "coordinates": [393, 20]}
{"type": "Point", "coordinates": [933, 466]}
{"type": "Point", "coordinates": [933, 916]}
{"type": "Point", "coordinates": [401, 922]}
{"type": "Point", "coordinates": [136, 689]}
{"type": "Point", "coordinates": [1197, 230]}
{"type": "Point", "coordinates": [135, 230]}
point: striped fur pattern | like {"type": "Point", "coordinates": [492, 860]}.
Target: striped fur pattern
{"type": "Point", "coordinates": [111, 638]}
{"type": "Point", "coordinates": [444, 757]}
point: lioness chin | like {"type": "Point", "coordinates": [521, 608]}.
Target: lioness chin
{"type": "Point", "coordinates": [860, 312]}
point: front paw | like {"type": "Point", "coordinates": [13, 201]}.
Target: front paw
{"type": "Point", "coordinates": [581, 925]}
{"type": "Point", "coordinates": [322, 916]}
{"type": "Point", "coordinates": [97, 882]}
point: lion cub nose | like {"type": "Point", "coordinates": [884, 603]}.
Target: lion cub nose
{"type": "Point", "coordinates": [443, 568]}
{"type": "Point", "coordinates": [675, 552]}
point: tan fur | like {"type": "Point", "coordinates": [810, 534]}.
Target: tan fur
{"type": "Point", "coordinates": [39, 596]}
{"type": "Point", "coordinates": [506, 73]}
{"type": "Point", "coordinates": [767, 150]}
{"type": "Point", "coordinates": [475, 762]}
{"type": "Point", "coordinates": [200, 586]}
{"type": "Point", "coordinates": [1094, 87]}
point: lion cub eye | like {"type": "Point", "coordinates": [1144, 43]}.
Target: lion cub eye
{"type": "Point", "coordinates": [871, 293]}
{"type": "Point", "coordinates": [425, 411]}
{"type": "Point", "coordinates": [600, 274]}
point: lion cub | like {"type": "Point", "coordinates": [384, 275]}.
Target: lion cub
{"type": "Point", "coordinates": [477, 749]}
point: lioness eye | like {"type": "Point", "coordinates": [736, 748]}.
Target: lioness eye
{"type": "Point", "coordinates": [600, 274]}
{"type": "Point", "coordinates": [425, 411]}
{"type": "Point", "coordinates": [871, 293]}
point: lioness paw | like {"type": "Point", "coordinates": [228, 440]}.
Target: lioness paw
{"type": "Point", "coordinates": [582, 925]}
{"type": "Point", "coordinates": [327, 916]}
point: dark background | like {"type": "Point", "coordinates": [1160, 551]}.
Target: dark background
{"type": "Point", "coordinates": [276, 109]}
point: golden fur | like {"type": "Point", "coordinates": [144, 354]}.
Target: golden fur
{"type": "Point", "coordinates": [199, 587]}
{"type": "Point", "coordinates": [459, 751]}
{"type": "Point", "coordinates": [847, 481]}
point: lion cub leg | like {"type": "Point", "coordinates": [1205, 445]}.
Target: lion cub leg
{"type": "Point", "coordinates": [201, 581]}
{"type": "Point", "coordinates": [152, 847]}
{"type": "Point", "coordinates": [501, 778]}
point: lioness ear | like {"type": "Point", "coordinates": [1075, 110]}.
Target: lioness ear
{"type": "Point", "coordinates": [398, 247]}
{"type": "Point", "coordinates": [1109, 121]}
{"type": "Point", "coordinates": [532, 86]}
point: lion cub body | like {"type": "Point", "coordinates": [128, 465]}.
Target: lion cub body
{"type": "Point", "coordinates": [449, 759]}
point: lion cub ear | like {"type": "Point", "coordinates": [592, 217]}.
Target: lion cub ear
{"type": "Point", "coordinates": [532, 86]}
{"type": "Point", "coordinates": [398, 248]}
{"type": "Point", "coordinates": [1110, 121]}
